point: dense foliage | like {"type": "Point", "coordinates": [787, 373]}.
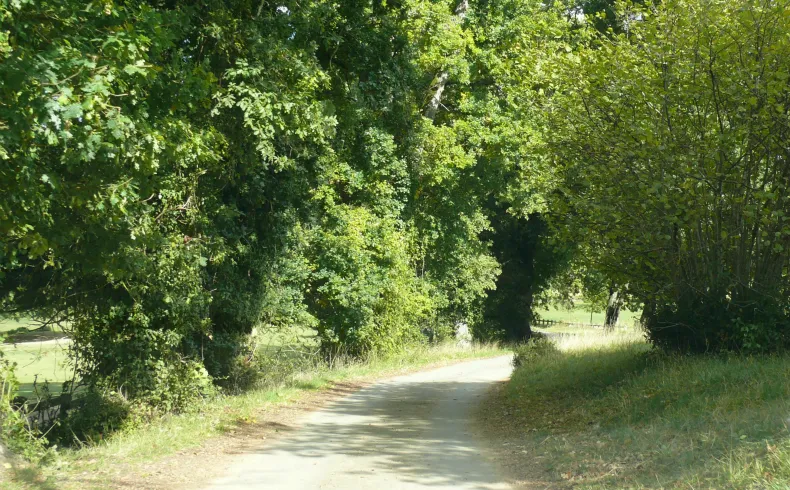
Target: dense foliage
{"type": "Point", "coordinates": [672, 141]}
{"type": "Point", "coordinates": [175, 176]}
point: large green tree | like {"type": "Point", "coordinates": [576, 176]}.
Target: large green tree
{"type": "Point", "coordinates": [175, 174]}
{"type": "Point", "coordinates": [671, 137]}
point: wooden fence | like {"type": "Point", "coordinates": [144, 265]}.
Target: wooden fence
{"type": "Point", "coordinates": [553, 323]}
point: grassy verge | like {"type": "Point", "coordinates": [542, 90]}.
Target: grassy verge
{"type": "Point", "coordinates": [606, 412]}
{"type": "Point", "coordinates": [168, 435]}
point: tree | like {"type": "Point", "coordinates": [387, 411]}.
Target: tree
{"type": "Point", "coordinates": [178, 174]}
{"type": "Point", "coordinates": [529, 261]}
{"type": "Point", "coordinates": [671, 141]}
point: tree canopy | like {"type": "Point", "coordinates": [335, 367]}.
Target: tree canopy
{"type": "Point", "coordinates": [176, 174]}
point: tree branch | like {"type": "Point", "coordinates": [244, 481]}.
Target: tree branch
{"type": "Point", "coordinates": [444, 76]}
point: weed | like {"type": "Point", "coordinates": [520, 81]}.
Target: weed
{"type": "Point", "coordinates": [537, 347]}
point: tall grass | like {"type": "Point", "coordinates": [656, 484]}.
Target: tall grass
{"type": "Point", "coordinates": [608, 412]}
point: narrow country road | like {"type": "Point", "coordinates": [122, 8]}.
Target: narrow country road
{"type": "Point", "coordinates": [405, 433]}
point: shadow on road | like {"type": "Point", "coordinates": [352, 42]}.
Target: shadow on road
{"type": "Point", "coordinates": [415, 433]}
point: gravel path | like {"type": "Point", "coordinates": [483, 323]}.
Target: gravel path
{"type": "Point", "coordinates": [405, 433]}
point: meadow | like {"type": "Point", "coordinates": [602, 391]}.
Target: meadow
{"type": "Point", "coordinates": [40, 357]}
{"type": "Point", "coordinates": [581, 312]}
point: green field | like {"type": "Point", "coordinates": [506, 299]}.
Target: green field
{"type": "Point", "coordinates": [37, 363]}
{"type": "Point", "coordinates": [40, 356]}
{"type": "Point", "coordinates": [580, 313]}
{"type": "Point", "coordinates": [11, 324]}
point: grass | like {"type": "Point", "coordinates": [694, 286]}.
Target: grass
{"type": "Point", "coordinates": [38, 363]}
{"type": "Point", "coordinates": [607, 412]}
{"type": "Point", "coordinates": [580, 313]}
{"type": "Point", "coordinates": [11, 324]}
{"type": "Point", "coordinates": [571, 329]}
{"type": "Point", "coordinates": [170, 434]}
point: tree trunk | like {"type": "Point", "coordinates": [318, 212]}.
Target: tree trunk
{"type": "Point", "coordinates": [612, 308]}
{"type": "Point", "coordinates": [436, 98]}
{"type": "Point", "coordinates": [526, 323]}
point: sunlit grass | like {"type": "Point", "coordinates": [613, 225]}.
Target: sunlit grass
{"type": "Point", "coordinates": [39, 364]}
{"type": "Point", "coordinates": [11, 324]}
{"type": "Point", "coordinates": [608, 412]}
{"type": "Point", "coordinates": [587, 340]}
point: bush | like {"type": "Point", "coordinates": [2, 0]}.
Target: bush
{"type": "Point", "coordinates": [365, 293]}
{"type": "Point", "coordinates": [710, 323]}
{"type": "Point", "coordinates": [538, 346]}
{"type": "Point", "coordinates": [230, 361]}
{"type": "Point", "coordinates": [279, 367]}
{"type": "Point", "coordinates": [667, 199]}
{"type": "Point", "coordinates": [98, 415]}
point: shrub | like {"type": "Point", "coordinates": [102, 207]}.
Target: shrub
{"type": "Point", "coordinates": [98, 415]}
{"type": "Point", "coordinates": [537, 346]}
{"type": "Point", "coordinates": [688, 211]}
{"type": "Point", "coordinates": [365, 291]}
{"type": "Point", "coordinates": [709, 323]}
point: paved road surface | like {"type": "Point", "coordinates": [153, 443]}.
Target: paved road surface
{"type": "Point", "coordinates": [410, 432]}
